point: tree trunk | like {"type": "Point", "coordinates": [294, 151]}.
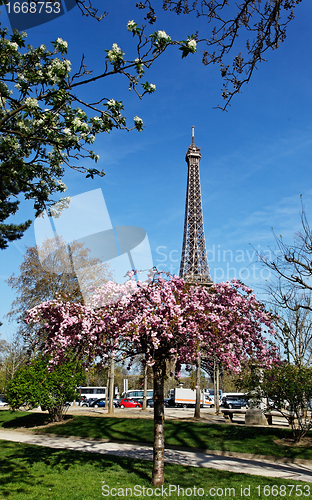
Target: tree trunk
{"type": "Point", "coordinates": [55, 413]}
{"type": "Point", "coordinates": [144, 387]}
{"type": "Point", "coordinates": [217, 401]}
{"type": "Point", "coordinates": [107, 388]}
{"type": "Point", "coordinates": [216, 374]}
{"type": "Point", "coordinates": [111, 385]}
{"type": "Point", "coordinates": [159, 370]}
{"type": "Point", "coordinates": [198, 391]}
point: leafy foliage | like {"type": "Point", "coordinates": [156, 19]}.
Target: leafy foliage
{"type": "Point", "coordinates": [43, 128]}
{"type": "Point", "coordinates": [36, 386]}
{"type": "Point", "coordinates": [289, 389]}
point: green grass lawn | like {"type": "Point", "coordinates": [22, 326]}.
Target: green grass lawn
{"type": "Point", "coordinates": [243, 439]}
{"type": "Point", "coordinates": [38, 473]}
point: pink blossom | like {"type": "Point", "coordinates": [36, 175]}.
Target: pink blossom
{"type": "Point", "coordinates": [161, 319]}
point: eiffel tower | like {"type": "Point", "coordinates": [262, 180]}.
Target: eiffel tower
{"type": "Point", "coordinates": [194, 266]}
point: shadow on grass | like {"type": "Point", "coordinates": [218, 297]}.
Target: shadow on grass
{"type": "Point", "coordinates": [202, 436]}
{"type": "Point", "coordinates": [24, 465]}
{"type": "Point", "coordinates": [199, 435]}
{"type": "Point", "coordinates": [115, 429]}
{"type": "Point", "coordinates": [239, 439]}
{"type": "Point", "coordinates": [28, 471]}
{"type": "Point", "coordinates": [14, 419]}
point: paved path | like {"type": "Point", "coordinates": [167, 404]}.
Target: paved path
{"type": "Point", "coordinates": [296, 472]}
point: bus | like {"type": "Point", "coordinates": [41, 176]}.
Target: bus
{"type": "Point", "coordinates": [92, 392]}
{"type": "Point", "coordinates": [138, 394]}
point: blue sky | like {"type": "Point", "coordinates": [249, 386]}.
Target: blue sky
{"type": "Point", "coordinates": [256, 158]}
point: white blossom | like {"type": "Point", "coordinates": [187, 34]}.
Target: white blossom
{"type": "Point", "coordinates": [12, 45]}
{"type": "Point", "coordinates": [31, 103]}
{"type": "Point", "coordinates": [58, 208]}
{"type": "Point", "coordinates": [115, 53]}
{"type": "Point", "coordinates": [111, 102]}
{"type": "Point", "coordinates": [163, 34]}
{"type": "Point", "coordinates": [77, 122]}
{"type": "Point", "coordinates": [192, 44]}
{"type": "Point", "coordinates": [62, 44]}
{"type": "Point", "coordinates": [67, 65]}
{"type": "Point", "coordinates": [62, 185]}
{"type": "Point", "coordinates": [131, 25]}
{"type": "Point", "coordinates": [138, 122]}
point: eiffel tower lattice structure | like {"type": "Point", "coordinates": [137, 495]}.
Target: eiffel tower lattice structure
{"type": "Point", "coordinates": [194, 266]}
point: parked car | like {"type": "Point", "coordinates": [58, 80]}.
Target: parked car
{"type": "Point", "coordinates": [234, 402]}
{"type": "Point", "coordinates": [129, 403]}
{"type": "Point", "coordinates": [149, 402]}
{"type": "Point", "coordinates": [87, 402]}
{"type": "Point", "coordinates": [3, 402]}
{"type": "Point", "coordinates": [98, 403]}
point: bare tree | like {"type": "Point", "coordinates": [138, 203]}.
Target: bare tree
{"type": "Point", "coordinates": [290, 293]}
{"type": "Point", "coordinates": [294, 331]}
{"type": "Point", "coordinates": [12, 358]}
{"type": "Point", "coordinates": [248, 29]}
{"type": "Point", "coordinates": [47, 273]}
{"type": "Point", "coordinates": [292, 269]}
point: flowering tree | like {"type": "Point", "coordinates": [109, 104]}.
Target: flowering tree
{"type": "Point", "coordinates": [45, 126]}
{"type": "Point", "coordinates": [166, 320]}
{"type": "Point", "coordinates": [110, 293]}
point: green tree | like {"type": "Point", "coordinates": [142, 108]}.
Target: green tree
{"type": "Point", "coordinates": [289, 389]}
{"type": "Point", "coordinates": [36, 386]}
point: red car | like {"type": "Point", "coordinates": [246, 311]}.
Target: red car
{"type": "Point", "coordinates": [129, 403]}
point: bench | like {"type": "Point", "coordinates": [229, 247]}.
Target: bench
{"type": "Point", "coordinates": [229, 414]}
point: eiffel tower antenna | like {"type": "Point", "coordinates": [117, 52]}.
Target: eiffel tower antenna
{"type": "Point", "coordinates": [194, 266]}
